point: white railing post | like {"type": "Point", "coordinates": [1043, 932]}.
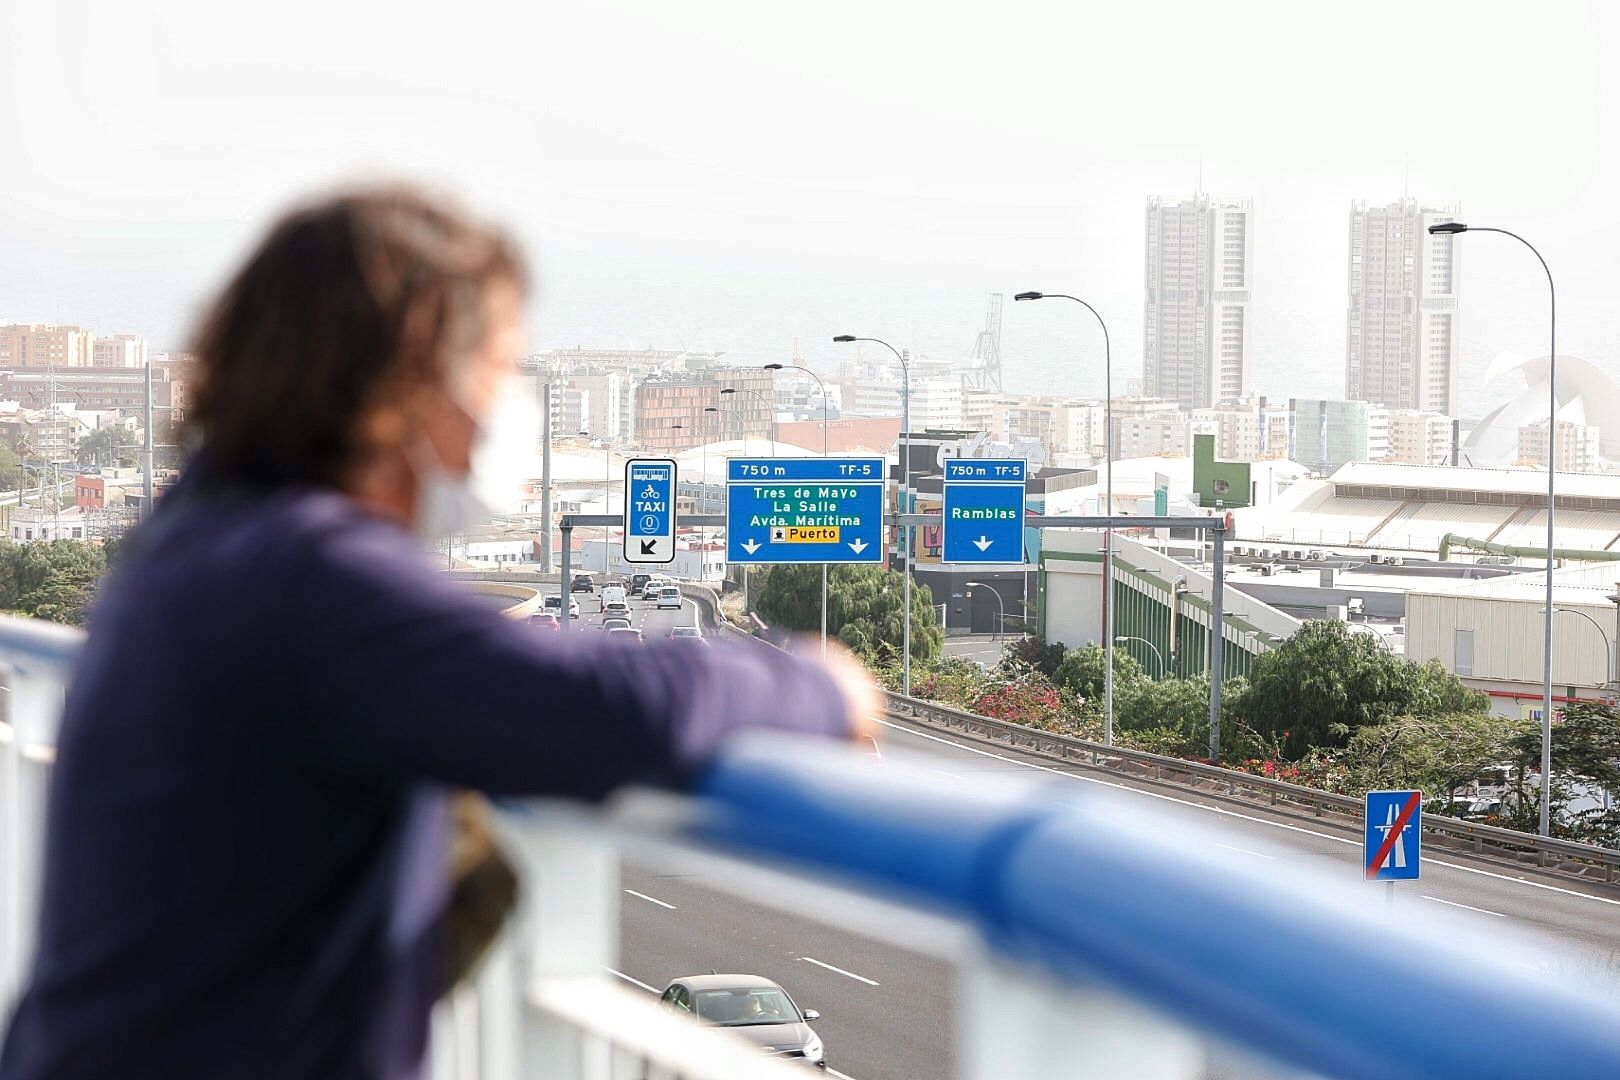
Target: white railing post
{"type": "Point", "coordinates": [27, 749]}
{"type": "Point", "coordinates": [569, 927]}
{"type": "Point", "coordinates": [1017, 1023]}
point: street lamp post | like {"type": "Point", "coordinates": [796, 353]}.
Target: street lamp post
{"type": "Point", "coordinates": [1452, 228]}
{"type": "Point", "coordinates": [1608, 648]}
{"type": "Point", "coordinates": [905, 492]}
{"type": "Point", "coordinates": [768, 407]}
{"type": "Point", "coordinates": [1108, 495]}
{"type": "Point", "coordinates": [823, 386]}
{"type": "Point", "coordinates": [607, 495]}
{"type": "Point", "coordinates": [1001, 610]}
{"type": "Point", "coordinates": [1157, 654]}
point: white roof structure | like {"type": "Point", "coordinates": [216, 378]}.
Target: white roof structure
{"type": "Point", "coordinates": [1586, 395]}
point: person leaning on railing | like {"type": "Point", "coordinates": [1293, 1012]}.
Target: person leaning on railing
{"type": "Point", "coordinates": [247, 836]}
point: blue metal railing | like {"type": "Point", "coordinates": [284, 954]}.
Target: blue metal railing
{"type": "Point", "coordinates": [1088, 890]}
{"type": "Point", "coordinates": [1304, 970]}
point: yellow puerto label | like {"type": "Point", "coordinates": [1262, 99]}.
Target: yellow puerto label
{"type": "Point", "coordinates": [804, 534]}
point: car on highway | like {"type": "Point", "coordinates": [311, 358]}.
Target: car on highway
{"type": "Point", "coordinates": [553, 604]}
{"type": "Point", "coordinates": [582, 583]}
{"type": "Point", "coordinates": [753, 1007]}
{"type": "Point", "coordinates": [546, 620]}
{"type": "Point", "coordinates": [638, 582]}
{"type": "Point", "coordinates": [669, 597]}
{"type": "Point", "coordinates": [624, 634]}
{"type": "Point", "coordinates": [649, 591]}
{"type": "Point", "coordinates": [688, 633]}
{"type": "Point", "coordinates": [616, 622]}
{"type": "Point", "coordinates": [613, 594]}
{"type": "Point", "coordinates": [616, 608]}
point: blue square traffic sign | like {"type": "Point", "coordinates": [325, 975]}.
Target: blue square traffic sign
{"type": "Point", "coordinates": [1392, 843]}
{"type": "Point", "coordinates": [804, 510]}
{"type": "Point", "coordinates": [649, 510]}
{"type": "Point", "coordinates": [983, 510]}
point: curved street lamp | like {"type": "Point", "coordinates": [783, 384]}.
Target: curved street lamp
{"type": "Point", "coordinates": [1159, 655]}
{"type": "Point", "coordinates": [1001, 610]}
{"type": "Point", "coordinates": [905, 488]}
{"type": "Point", "coordinates": [1108, 534]}
{"type": "Point", "coordinates": [1453, 228]}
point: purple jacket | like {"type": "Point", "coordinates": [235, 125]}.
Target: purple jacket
{"type": "Point", "coordinates": [246, 839]}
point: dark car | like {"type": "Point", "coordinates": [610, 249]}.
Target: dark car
{"type": "Point", "coordinates": [638, 582]}
{"type": "Point", "coordinates": [582, 583]}
{"type": "Point", "coordinates": [754, 1008]}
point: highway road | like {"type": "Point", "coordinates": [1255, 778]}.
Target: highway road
{"type": "Point", "coordinates": [888, 1012]}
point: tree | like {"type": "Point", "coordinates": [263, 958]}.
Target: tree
{"type": "Point", "coordinates": [1442, 754]}
{"type": "Point", "coordinates": [864, 609]}
{"type": "Point", "coordinates": [109, 445]}
{"type": "Point", "coordinates": [1031, 653]}
{"type": "Point", "coordinates": [1325, 682]}
{"type": "Point", "coordinates": [1082, 674]}
{"type": "Point", "coordinates": [55, 580]}
{"type": "Point", "coordinates": [10, 469]}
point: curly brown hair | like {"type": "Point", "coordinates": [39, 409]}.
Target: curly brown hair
{"type": "Point", "coordinates": [347, 306]}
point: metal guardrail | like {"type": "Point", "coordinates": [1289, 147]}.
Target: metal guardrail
{"type": "Point", "coordinates": [1147, 765]}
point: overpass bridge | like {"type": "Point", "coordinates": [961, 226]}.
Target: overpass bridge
{"type": "Point", "coordinates": [1084, 935]}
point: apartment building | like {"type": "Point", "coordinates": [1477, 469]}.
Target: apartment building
{"type": "Point", "coordinates": [1578, 446]}
{"type": "Point", "coordinates": [1421, 438]}
{"type": "Point", "coordinates": [31, 345]}
{"type": "Point", "coordinates": [119, 351]}
{"type": "Point", "coordinates": [1401, 340]}
{"type": "Point", "coordinates": [1196, 325]}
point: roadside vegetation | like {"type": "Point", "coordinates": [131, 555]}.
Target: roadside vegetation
{"type": "Point", "coordinates": [1327, 709]}
{"type": "Point", "coordinates": [53, 580]}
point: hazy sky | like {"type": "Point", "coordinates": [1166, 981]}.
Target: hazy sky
{"type": "Point", "coordinates": [734, 176]}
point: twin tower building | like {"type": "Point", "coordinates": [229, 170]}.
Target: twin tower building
{"type": "Point", "coordinates": [1401, 319]}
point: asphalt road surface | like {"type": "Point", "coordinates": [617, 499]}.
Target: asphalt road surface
{"type": "Point", "coordinates": [888, 1012]}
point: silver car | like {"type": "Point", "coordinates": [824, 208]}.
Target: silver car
{"type": "Point", "coordinates": [754, 1008]}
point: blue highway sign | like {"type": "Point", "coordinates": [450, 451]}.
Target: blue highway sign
{"type": "Point", "coordinates": [649, 510]}
{"type": "Point", "coordinates": [1392, 845]}
{"type": "Point", "coordinates": [983, 511]}
{"type": "Point", "coordinates": [804, 510]}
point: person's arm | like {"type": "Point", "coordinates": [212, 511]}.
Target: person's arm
{"type": "Point", "coordinates": [411, 676]}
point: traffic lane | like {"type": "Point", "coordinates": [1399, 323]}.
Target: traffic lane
{"type": "Point", "coordinates": [1582, 917]}
{"type": "Point", "coordinates": [886, 1011]}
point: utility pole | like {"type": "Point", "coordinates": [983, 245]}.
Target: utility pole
{"type": "Point", "coordinates": [545, 470]}
{"type": "Point", "coordinates": [146, 470]}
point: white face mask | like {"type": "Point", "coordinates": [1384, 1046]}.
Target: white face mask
{"type": "Point", "coordinates": [448, 503]}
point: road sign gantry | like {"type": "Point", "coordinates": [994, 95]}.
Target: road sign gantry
{"type": "Point", "coordinates": [804, 510]}
{"type": "Point", "coordinates": [982, 511]}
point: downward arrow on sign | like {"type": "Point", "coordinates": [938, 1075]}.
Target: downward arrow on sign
{"type": "Point", "coordinates": [858, 546]}
{"type": "Point", "coordinates": [982, 544]}
{"type": "Point", "coordinates": [751, 546]}
{"type": "Point", "coordinates": [647, 546]}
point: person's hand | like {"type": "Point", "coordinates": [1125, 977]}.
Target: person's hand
{"type": "Point", "coordinates": [861, 695]}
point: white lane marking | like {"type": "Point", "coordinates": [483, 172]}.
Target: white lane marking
{"type": "Point", "coordinates": [650, 899]}
{"type": "Point", "coordinates": [839, 970]}
{"type": "Point", "coordinates": [953, 776]}
{"type": "Point", "coordinates": [1465, 907]}
{"type": "Point", "coordinates": [1246, 851]}
{"type": "Point", "coordinates": [633, 981]}
{"type": "Point", "coordinates": [841, 1076]}
{"type": "Point", "coordinates": [1235, 814]}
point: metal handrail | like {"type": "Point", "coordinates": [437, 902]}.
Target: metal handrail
{"type": "Point", "coordinates": [1234, 779]}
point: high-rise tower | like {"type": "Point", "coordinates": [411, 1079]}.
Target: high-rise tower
{"type": "Point", "coordinates": [1195, 339]}
{"type": "Point", "coordinates": [1401, 339]}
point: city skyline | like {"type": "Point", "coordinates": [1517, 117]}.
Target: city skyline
{"type": "Point", "coordinates": [890, 204]}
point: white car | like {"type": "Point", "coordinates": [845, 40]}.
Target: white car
{"type": "Point", "coordinates": [612, 594]}
{"type": "Point", "coordinates": [553, 604]}
{"type": "Point", "coordinates": [669, 597]}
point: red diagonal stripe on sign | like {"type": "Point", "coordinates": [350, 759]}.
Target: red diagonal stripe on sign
{"type": "Point", "coordinates": [1394, 834]}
